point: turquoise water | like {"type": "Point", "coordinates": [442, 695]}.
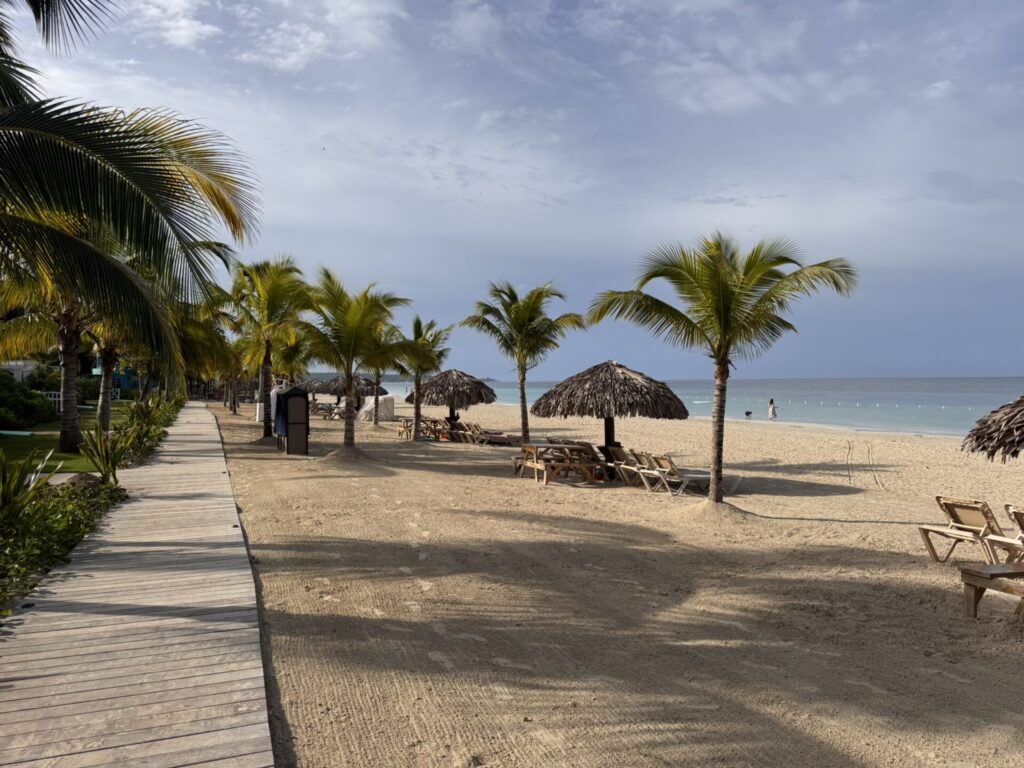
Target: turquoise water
{"type": "Point", "coordinates": [947, 406]}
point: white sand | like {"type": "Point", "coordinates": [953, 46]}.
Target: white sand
{"type": "Point", "coordinates": [426, 608]}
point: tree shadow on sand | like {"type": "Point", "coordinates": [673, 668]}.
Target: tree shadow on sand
{"type": "Point", "coordinates": [615, 618]}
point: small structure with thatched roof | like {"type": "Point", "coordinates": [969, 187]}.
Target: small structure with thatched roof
{"type": "Point", "coordinates": [1001, 433]}
{"type": "Point", "coordinates": [608, 390]}
{"type": "Point", "coordinates": [456, 389]}
{"type": "Point", "coordinates": [336, 386]}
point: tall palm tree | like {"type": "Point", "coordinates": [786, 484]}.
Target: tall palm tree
{"type": "Point", "coordinates": [162, 183]}
{"type": "Point", "coordinates": [732, 306]}
{"type": "Point", "coordinates": [269, 298]}
{"type": "Point", "coordinates": [523, 330]}
{"type": "Point", "coordinates": [431, 340]}
{"type": "Point", "coordinates": [345, 334]}
{"type": "Point", "coordinates": [43, 315]}
{"type": "Point", "coordinates": [382, 360]}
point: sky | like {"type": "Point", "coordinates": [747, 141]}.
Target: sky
{"type": "Point", "coordinates": [435, 146]}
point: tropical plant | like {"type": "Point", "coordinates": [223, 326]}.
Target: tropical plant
{"type": "Point", "coordinates": [105, 451]}
{"type": "Point", "coordinates": [523, 330]}
{"type": "Point", "coordinates": [431, 340]}
{"type": "Point", "coordinates": [269, 298]}
{"type": "Point", "coordinates": [161, 183]}
{"type": "Point", "coordinates": [732, 306]}
{"type": "Point", "coordinates": [20, 482]}
{"type": "Point", "coordinates": [345, 334]}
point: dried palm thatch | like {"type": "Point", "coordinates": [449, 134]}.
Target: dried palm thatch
{"type": "Point", "coordinates": [608, 390]}
{"type": "Point", "coordinates": [1001, 433]}
{"type": "Point", "coordinates": [336, 386]}
{"type": "Point", "coordinates": [455, 389]}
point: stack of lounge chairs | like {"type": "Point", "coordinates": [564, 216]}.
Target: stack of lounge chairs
{"type": "Point", "coordinates": [973, 522]}
{"type": "Point", "coordinates": [461, 432]}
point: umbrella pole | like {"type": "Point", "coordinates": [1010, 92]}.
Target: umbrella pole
{"type": "Point", "coordinates": [451, 414]}
{"type": "Point", "coordinates": [609, 430]}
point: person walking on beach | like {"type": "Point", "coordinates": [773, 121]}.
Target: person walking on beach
{"type": "Point", "coordinates": [772, 412]}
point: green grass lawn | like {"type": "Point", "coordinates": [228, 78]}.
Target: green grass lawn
{"type": "Point", "coordinates": [20, 447]}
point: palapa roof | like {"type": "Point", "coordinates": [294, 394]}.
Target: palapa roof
{"type": "Point", "coordinates": [454, 389]}
{"type": "Point", "coordinates": [609, 390]}
{"type": "Point", "coordinates": [336, 386]}
{"type": "Point", "coordinates": [1001, 433]}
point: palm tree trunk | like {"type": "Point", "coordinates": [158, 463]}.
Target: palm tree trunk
{"type": "Point", "coordinates": [268, 430]}
{"type": "Point", "coordinates": [350, 414]}
{"type": "Point", "coordinates": [417, 431]}
{"type": "Point", "coordinates": [715, 490]}
{"type": "Point", "coordinates": [234, 396]}
{"type": "Point", "coordinates": [108, 361]}
{"type": "Point", "coordinates": [376, 400]}
{"type": "Point", "coordinates": [69, 341]}
{"type": "Point", "coordinates": [524, 414]}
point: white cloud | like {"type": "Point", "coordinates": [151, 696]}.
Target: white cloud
{"type": "Point", "coordinates": [941, 89]}
{"type": "Point", "coordinates": [288, 47]}
{"type": "Point", "coordinates": [177, 22]}
{"type": "Point", "coordinates": [473, 27]}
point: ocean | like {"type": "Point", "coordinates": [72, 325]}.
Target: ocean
{"type": "Point", "coordinates": [943, 406]}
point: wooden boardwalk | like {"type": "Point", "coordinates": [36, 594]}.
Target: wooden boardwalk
{"type": "Point", "coordinates": [144, 651]}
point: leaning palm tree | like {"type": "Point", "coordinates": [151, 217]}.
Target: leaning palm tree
{"type": "Point", "coordinates": [269, 298]}
{"type": "Point", "coordinates": [344, 334]}
{"type": "Point", "coordinates": [523, 330]}
{"type": "Point", "coordinates": [162, 183]}
{"type": "Point", "coordinates": [431, 341]}
{"type": "Point", "coordinates": [733, 306]}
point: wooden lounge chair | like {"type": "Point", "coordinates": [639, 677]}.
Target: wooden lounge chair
{"type": "Point", "coordinates": [1011, 545]}
{"type": "Point", "coordinates": [1000, 577]}
{"type": "Point", "coordinates": [624, 465]}
{"type": "Point", "coordinates": [968, 521]}
{"type": "Point", "coordinates": [671, 475]}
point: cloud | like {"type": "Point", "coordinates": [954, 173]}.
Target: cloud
{"type": "Point", "coordinates": [177, 22]}
{"type": "Point", "coordinates": [958, 187]}
{"type": "Point", "coordinates": [473, 27]}
{"type": "Point", "coordinates": [306, 32]}
{"type": "Point", "coordinates": [940, 89]}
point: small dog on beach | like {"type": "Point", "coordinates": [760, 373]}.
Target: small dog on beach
{"type": "Point", "coordinates": [748, 414]}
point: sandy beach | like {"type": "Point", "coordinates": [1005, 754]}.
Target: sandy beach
{"type": "Point", "coordinates": [424, 607]}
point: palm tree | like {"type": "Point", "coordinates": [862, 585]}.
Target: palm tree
{"type": "Point", "coordinates": [43, 315]}
{"type": "Point", "coordinates": [523, 330]}
{"type": "Point", "coordinates": [269, 298]}
{"type": "Point", "coordinates": [345, 334]}
{"type": "Point", "coordinates": [381, 361]}
{"type": "Point", "coordinates": [162, 183]}
{"type": "Point", "coordinates": [431, 340]}
{"type": "Point", "coordinates": [733, 306]}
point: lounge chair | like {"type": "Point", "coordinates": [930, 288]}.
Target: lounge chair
{"type": "Point", "coordinates": [672, 475]}
{"type": "Point", "coordinates": [1012, 545]}
{"type": "Point", "coordinates": [968, 521]}
{"type": "Point", "coordinates": [624, 465]}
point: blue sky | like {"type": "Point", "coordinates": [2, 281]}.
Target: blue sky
{"type": "Point", "coordinates": [434, 146]}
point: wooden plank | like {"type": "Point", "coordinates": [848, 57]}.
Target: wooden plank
{"type": "Point", "coordinates": [144, 649]}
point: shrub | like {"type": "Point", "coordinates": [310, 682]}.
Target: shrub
{"type": "Point", "coordinates": [105, 451]}
{"type": "Point", "coordinates": [47, 529]}
{"type": "Point", "coordinates": [22, 406]}
{"type": "Point", "coordinates": [44, 379]}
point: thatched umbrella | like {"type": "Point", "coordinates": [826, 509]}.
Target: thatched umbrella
{"type": "Point", "coordinates": [608, 390]}
{"type": "Point", "coordinates": [1001, 433]}
{"type": "Point", "coordinates": [455, 389]}
{"type": "Point", "coordinates": [336, 386]}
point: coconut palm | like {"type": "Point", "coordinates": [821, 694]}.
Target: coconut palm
{"type": "Point", "coordinates": [382, 361]}
{"type": "Point", "coordinates": [732, 306]}
{"type": "Point", "coordinates": [269, 298]}
{"type": "Point", "coordinates": [431, 340]}
{"type": "Point", "coordinates": [162, 183]}
{"type": "Point", "coordinates": [44, 315]}
{"type": "Point", "coordinates": [523, 329]}
{"type": "Point", "coordinates": [345, 334]}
